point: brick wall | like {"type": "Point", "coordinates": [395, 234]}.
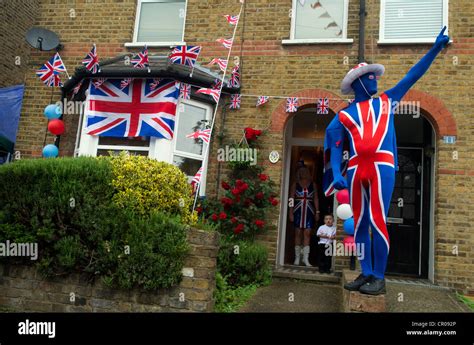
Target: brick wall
{"type": "Point", "coordinates": [270, 68]}
{"type": "Point", "coordinates": [23, 289]}
{"type": "Point", "coordinates": [16, 17]}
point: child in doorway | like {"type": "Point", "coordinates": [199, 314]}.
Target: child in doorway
{"type": "Point", "coordinates": [326, 233]}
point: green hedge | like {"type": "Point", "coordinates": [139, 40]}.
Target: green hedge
{"type": "Point", "coordinates": [66, 206]}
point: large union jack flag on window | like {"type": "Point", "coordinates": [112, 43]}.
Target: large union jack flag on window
{"type": "Point", "coordinates": [137, 110]}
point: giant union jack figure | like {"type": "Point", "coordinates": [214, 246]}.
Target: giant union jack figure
{"type": "Point", "coordinates": [368, 125]}
{"type": "Point", "coordinates": [136, 110]}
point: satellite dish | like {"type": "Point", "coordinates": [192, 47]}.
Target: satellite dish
{"type": "Point", "coordinates": [42, 39]}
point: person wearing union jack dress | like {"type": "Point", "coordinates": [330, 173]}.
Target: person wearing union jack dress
{"type": "Point", "coordinates": [304, 213]}
{"type": "Point", "coordinates": [368, 124]}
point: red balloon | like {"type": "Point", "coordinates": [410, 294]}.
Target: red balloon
{"type": "Point", "coordinates": [343, 196]}
{"type": "Point", "coordinates": [56, 126]}
{"type": "Point", "coordinates": [349, 243]}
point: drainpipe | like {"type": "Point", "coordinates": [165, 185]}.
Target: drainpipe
{"type": "Point", "coordinates": [362, 15]}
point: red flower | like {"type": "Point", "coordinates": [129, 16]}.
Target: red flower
{"type": "Point", "coordinates": [263, 177]}
{"type": "Point", "coordinates": [274, 202]}
{"type": "Point", "coordinates": [239, 183]}
{"type": "Point", "coordinates": [238, 229]}
{"type": "Point", "coordinates": [214, 217]}
{"type": "Point", "coordinates": [259, 195]}
{"type": "Point", "coordinates": [222, 215]}
{"type": "Point", "coordinates": [235, 191]}
{"type": "Point", "coordinates": [233, 220]}
{"type": "Point", "coordinates": [259, 223]}
{"type": "Point", "coordinates": [199, 210]}
{"type": "Point", "coordinates": [225, 185]}
{"type": "Point", "coordinates": [226, 201]}
{"type": "Point", "coordinates": [257, 132]}
{"type": "Point", "coordinates": [243, 187]}
{"type": "Point", "coordinates": [252, 134]}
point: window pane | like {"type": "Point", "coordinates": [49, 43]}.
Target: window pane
{"type": "Point", "coordinates": [319, 19]}
{"type": "Point", "coordinates": [309, 125]}
{"type": "Point", "coordinates": [188, 165]}
{"type": "Point", "coordinates": [161, 21]}
{"type": "Point", "coordinates": [138, 141]}
{"type": "Point", "coordinates": [190, 120]}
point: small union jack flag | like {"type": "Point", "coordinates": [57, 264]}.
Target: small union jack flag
{"type": "Point", "coordinates": [49, 72]}
{"type": "Point", "coordinates": [98, 82]}
{"type": "Point", "coordinates": [227, 43]}
{"type": "Point", "coordinates": [235, 101]}
{"type": "Point", "coordinates": [155, 83]}
{"type": "Point", "coordinates": [185, 91]}
{"type": "Point", "coordinates": [232, 20]}
{"type": "Point", "coordinates": [77, 88]}
{"type": "Point", "coordinates": [211, 92]}
{"type": "Point", "coordinates": [125, 82]}
{"type": "Point", "coordinates": [221, 62]}
{"type": "Point", "coordinates": [217, 84]}
{"type": "Point", "coordinates": [291, 104]}
{"type": "Point", "coordinates": [141, 59]}
{"type": "Point", "coordinates": [323, 106]}
{"type": "Point", "coordinates": [196, 180]}
{"type": "Point", "coordinates": [262, 100]}
{"type": "Point", "coordinates": [185, 55]}
{"type": "Point", "coordinates": [91, 61]}
{"type": "Point", "coordinates": [235, 77]}
{"type": "Point", "coordinates": [204, 134]}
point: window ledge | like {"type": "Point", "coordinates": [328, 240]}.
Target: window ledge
{"type": "Point", "coordinates": [317, 41]}
{"type": "Point", "coordinates": [408, 41]}
{"type": "Point", "coordinates": [154, 44]}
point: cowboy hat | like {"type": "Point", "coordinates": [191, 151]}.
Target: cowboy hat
{"type": "Point", "coordinates": [358, 71]}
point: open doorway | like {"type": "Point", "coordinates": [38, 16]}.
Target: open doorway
{"type": "Point", "coordinates": [304, 141]}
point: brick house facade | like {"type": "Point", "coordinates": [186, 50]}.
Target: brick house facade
{"type": "Point", "coordinates": [272, 65]}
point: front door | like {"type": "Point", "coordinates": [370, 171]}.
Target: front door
{"type": "Point", "coordinates": [404, 219]}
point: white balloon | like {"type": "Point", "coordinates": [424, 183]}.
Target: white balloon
{"type": "Point", "coordinates": [344, 211]}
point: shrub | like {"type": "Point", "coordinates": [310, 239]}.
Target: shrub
{"type": "Point", "coordinates": [229, 298]}
{"type": "Point", "coordinates": [244, 263]}
{"type": "Point", "coordinates": [70, 208]}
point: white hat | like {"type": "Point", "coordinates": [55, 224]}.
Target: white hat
{"type": "Point", "coordinates": [358, 71]}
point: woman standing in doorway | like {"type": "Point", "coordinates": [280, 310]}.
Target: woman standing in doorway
{"type": "Point", "coordinates": [304, 212]}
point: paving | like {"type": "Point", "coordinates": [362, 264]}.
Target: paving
{"type": "Point", "coordinates": [289, 295]}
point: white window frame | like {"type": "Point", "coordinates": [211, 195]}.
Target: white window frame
{"type": "Point", "coordinates": [294, 40]}
{"type": "Point", "coordinates": [383, 40]}
{"type": "Point", "coordinates": [159, 149]}
{"type": "Point", "coordinates": [170, 44]}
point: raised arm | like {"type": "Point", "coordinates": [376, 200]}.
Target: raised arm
{"type": "Point", "coordinates": [416, 72]}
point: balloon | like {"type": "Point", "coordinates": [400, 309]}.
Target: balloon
{"type": "Point", "coordinates": [344, 211]}
{"type": "Point", "coordinates": [349, 243]}
{"type": "Point", "coordinates": [50, 151]}
{"type": "Point", "coordinates": [343, 196]}
{"type": "Point", "coordinates": [52, 111]}
{"type": "Point", "coordinates": [56, 126]}
{"type": "Point", "coordinates": [349, 226]}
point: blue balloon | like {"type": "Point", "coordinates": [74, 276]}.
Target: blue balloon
{"type": "Point", "coordinates": [52, 111]}
{"type": "Point", "coordinates": [349, 226]}
{"type": "Point", "coordinates": [50, 151]}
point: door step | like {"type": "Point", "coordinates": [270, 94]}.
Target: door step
{"type": "Point", "coordinates": [305, 273]}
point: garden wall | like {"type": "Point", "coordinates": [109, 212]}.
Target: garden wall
{"type": "Point", "coordinates": [23, 289]}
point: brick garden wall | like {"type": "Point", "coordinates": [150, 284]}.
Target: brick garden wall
{"type": "Point", "coordinates": [270, 68]}
{"type": "Point", "coordinates": [23, 289]}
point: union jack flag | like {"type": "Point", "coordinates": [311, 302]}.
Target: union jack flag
{"type": "Point", "coordinates": [135, 111]}
{"type": "Point", "coordinates": [235, 77]}
{"type": "Point", "coordinates": [323, 106]}
{"type": "Point", "coordinates": [125, 82]}
{"type": "Point", "coordinates": [98, 82]}
{"type": "Point", "coordinates": [204, 134]}
{"type": "Point", "coordinates": [227, 43]}
{"type": "Point", "coordinates": [154, 83]}
{"type": "Point", "coordinates": [262, 100]}
{"type": "Point", "coordinates": [291, 104]}
{"type": "Point", "coordinates": [91, 61]}
{"type": "Point", "coordinates": [232, 20]}
{"type": "Point", "coordinates": [196, 180]}
{"type": "Point", "coordinates": [49, 72]}
{"type": "Point", "coordinates": [221, 62]}
{"type": "Point", "coordinates": [235, 101]}
{"type": "Point", "coordinates": [217, 84]}
{"type": "Point", "coordinates": [304, 205]}
{"type": "Point", "coordinates": [141, 59]}
{"type": "Point", "coordinates": [185, 55]}
{"type": "Point", "coordinates": [185, 91]}
{"type": "Point", "coordinates": [211, 92]}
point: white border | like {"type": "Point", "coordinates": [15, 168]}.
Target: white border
{"type": "Point", "coordinates": [383, 40]}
